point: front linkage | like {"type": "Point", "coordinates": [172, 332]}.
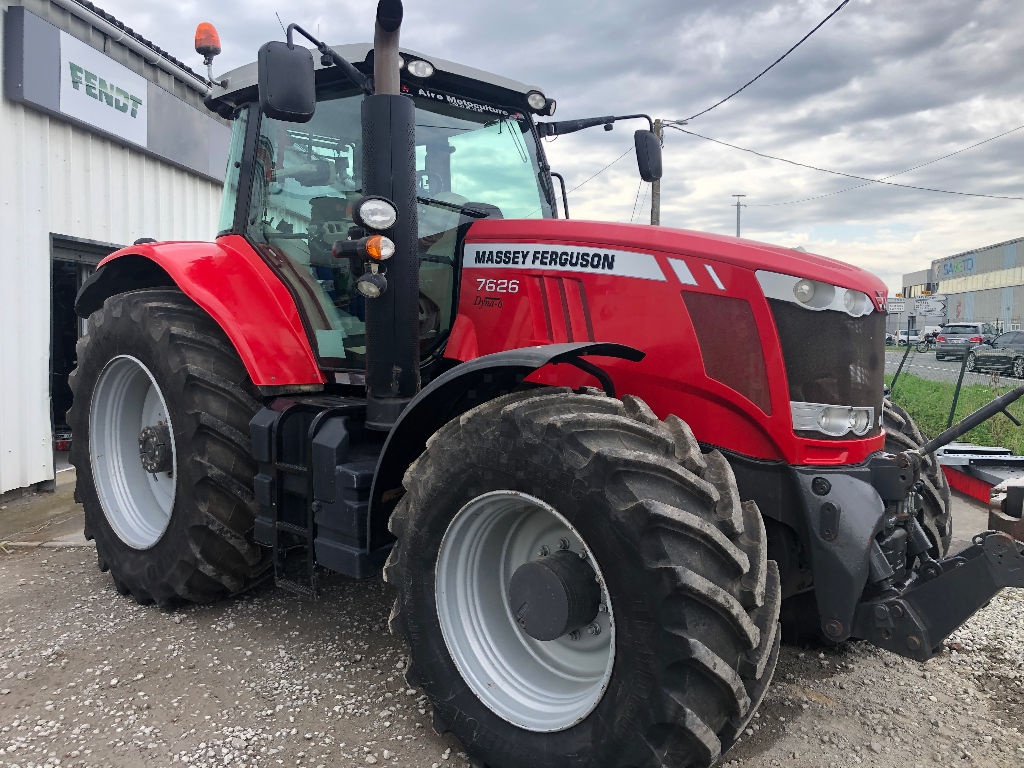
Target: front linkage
{"type": "Point", "coordinates": [906, 609]}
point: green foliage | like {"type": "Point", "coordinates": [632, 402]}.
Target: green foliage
{"type": "Point", "coordinates": [928, 402]}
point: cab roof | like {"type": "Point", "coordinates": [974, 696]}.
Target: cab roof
{"type": "Point", "coordinates": [238, 86]}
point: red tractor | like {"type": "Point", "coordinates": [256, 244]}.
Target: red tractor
{"type": "Point", "coordinates": [596, 462]}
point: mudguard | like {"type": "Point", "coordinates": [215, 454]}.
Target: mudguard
{"type": "Point", "coordinates": [457, 391]}
{"type": "Point", "coordinates": [235, 287]}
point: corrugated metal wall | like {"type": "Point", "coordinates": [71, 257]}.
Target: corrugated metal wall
{"type": "Point", "coordinates": [63, 180]}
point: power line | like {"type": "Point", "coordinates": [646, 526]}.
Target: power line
{"type": "Point", "coordinates": [765, 70]}
{"type": "Point", "coordinates": [636, 200]}
{"type": "Point", "coordinates": [840, 173]}
{"type": "Point", "coordinates": [613, 162]}
{"type": "Point", "coordinates": [891, 175]}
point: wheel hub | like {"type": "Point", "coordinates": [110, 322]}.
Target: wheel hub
{"type": "Point", "coordinates": [155, 451]}
{"type": "Point", "coordinates": [554, 595]}
{"type": "Point", "coordinates": [507, 536]}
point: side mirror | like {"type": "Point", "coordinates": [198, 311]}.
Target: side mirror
{"type": "Point", "coordinates": [648, 155]}
{"type": "Point", "coordinates": [286, 82]}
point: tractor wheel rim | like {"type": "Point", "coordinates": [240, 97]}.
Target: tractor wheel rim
{"type": "Point", "coordinates": [539, 686]}
{"type": "Point", "coordinates": [136, 503]}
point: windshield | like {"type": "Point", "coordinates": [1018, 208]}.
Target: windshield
{"type": "Point", "coordinates": [308, 175]}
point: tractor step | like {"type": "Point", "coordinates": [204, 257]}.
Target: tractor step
{"type": "Point", "coordinates": [316, 469]}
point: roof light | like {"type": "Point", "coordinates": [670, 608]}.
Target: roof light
{"type": "Point", "coordinates": [207, 40]}
{"type": "Point", "coordinates": [419, 68]}
{"type": "Point", "coordinates": [536, 100]}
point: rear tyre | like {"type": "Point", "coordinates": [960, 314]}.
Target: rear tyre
{"type": "Point", "coordinates": [160, 416]}
{"type": "Point", "coordinates": [902, 434]}
{"type": "Point", "coordinates": [668, 671]}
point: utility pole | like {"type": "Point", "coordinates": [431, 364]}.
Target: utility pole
{"type": "Point", "coordinates": [656, 184]}
{"type": "Point", "coordinates": [738, 206]}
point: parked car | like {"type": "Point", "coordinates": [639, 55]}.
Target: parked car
{"type": "Point", "coordinates": [1005, 354]}
{"type": "Point", "coordinates": [955, 338]}
{"type": "Point", "coordinates": [914, 335]}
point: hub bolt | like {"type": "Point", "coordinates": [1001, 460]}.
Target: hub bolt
{"type": "Point", "coordinates": [594, 629]}
{"type": "Point", "coordinates": [544, 551]}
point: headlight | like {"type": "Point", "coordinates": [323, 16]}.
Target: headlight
{"type": "Point", "coordinates": [376, 213]}
{"type": "Point", "coordinates": [832, 420]}
{"type": "Point", "coordinates": [813, 294]}
{"type": "Point", "coordinates": [371, 285]}
{"type": "Point", "coordinates": [536, 100]}
{"type": "Point", "coordinates": [419, 68]}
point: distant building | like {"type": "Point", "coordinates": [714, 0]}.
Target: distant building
{"type": "Point", "coordinates": [982, 285]}
{"type": "Point", "coordinates": [986, 284]}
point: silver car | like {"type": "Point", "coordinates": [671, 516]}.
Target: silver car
{"type": "Point", "coordinates": [955, 338]}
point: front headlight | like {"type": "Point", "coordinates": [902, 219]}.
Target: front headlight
{"type": "Point", "coordinates": [814, 294]}
{"type": "Point", "coordinates": [831, 420]}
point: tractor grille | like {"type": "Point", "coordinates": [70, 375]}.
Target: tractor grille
{"type": "Point", "coordinates": [832, 358]}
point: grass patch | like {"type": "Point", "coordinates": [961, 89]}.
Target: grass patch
{"type": "Point", "coordinates": [928, 402]}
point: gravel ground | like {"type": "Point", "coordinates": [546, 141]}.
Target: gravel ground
{"type": "Point", "coordinates": [89, 678]}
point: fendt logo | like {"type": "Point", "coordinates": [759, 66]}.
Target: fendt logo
{"type": "Point", "coordinates": [97, 88]}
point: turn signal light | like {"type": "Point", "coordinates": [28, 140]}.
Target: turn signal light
{"type": "Point", "coordinates": [379, 247]}
{"type": "Point", "coordinates": [376, 247]}
{"type": "Point", "coordinates": [207, 40]}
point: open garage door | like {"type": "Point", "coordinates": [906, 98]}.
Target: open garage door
{"type": "Point", "coordinates": [72, 261]}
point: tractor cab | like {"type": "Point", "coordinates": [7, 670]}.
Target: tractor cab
{"type": "Point", "coordinates": [291, 187]}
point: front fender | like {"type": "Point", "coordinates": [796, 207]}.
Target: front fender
{"type": "Point", "coordinates": [234, 286]}
{"type": "Point", "coordinates": [457, 391]}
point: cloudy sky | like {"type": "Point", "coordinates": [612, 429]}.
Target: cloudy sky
{"type": "Point", "coordinates": [883, 87]}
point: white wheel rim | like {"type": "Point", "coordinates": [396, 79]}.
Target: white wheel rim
{"type": "Point", "coordinates": [136, 503]}
{"type": "Point", "coordinates": [536, 685]}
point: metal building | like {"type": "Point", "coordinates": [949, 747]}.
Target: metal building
{"type": "Point", "coordinates": [983, 285]}
{"type": "Point", "coordinates": [986, 284]}
{"type": "Point", "coordinates": [105, 141]}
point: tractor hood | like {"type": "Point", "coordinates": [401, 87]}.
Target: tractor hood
{"type": "Point", "coordinates": [747, 254]}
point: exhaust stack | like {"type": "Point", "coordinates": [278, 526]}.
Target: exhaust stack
{"type": "Point", "coordinates": [389, 167]}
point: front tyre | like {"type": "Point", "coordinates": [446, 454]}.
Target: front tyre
{"type": "Point", "coordinates": [160, 417]}
{"type": "Point", "coordinates": [580, 586]}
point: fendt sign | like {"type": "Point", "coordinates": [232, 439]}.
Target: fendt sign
{"type": "Point", "coordinates": [97, 88]}
{"type": "Point", "coordinates": [102, 93]}
{"type": "Point", "coordinates": [49, 70]}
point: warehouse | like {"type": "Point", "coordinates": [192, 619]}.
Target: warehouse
{"type": "Point", "coordinates": [106, 141]}
{"type": "Point", "coordinates": [983, 285]}
{"type": "Point", "coordinates": [986, 284]}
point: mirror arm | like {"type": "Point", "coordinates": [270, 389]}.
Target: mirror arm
{"type": "Point", "coordinates": [650, 122]}
{"type": "Point", "coordinates": [571, 126]}
{"type": "Point", "coordinates": [357, 77]}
